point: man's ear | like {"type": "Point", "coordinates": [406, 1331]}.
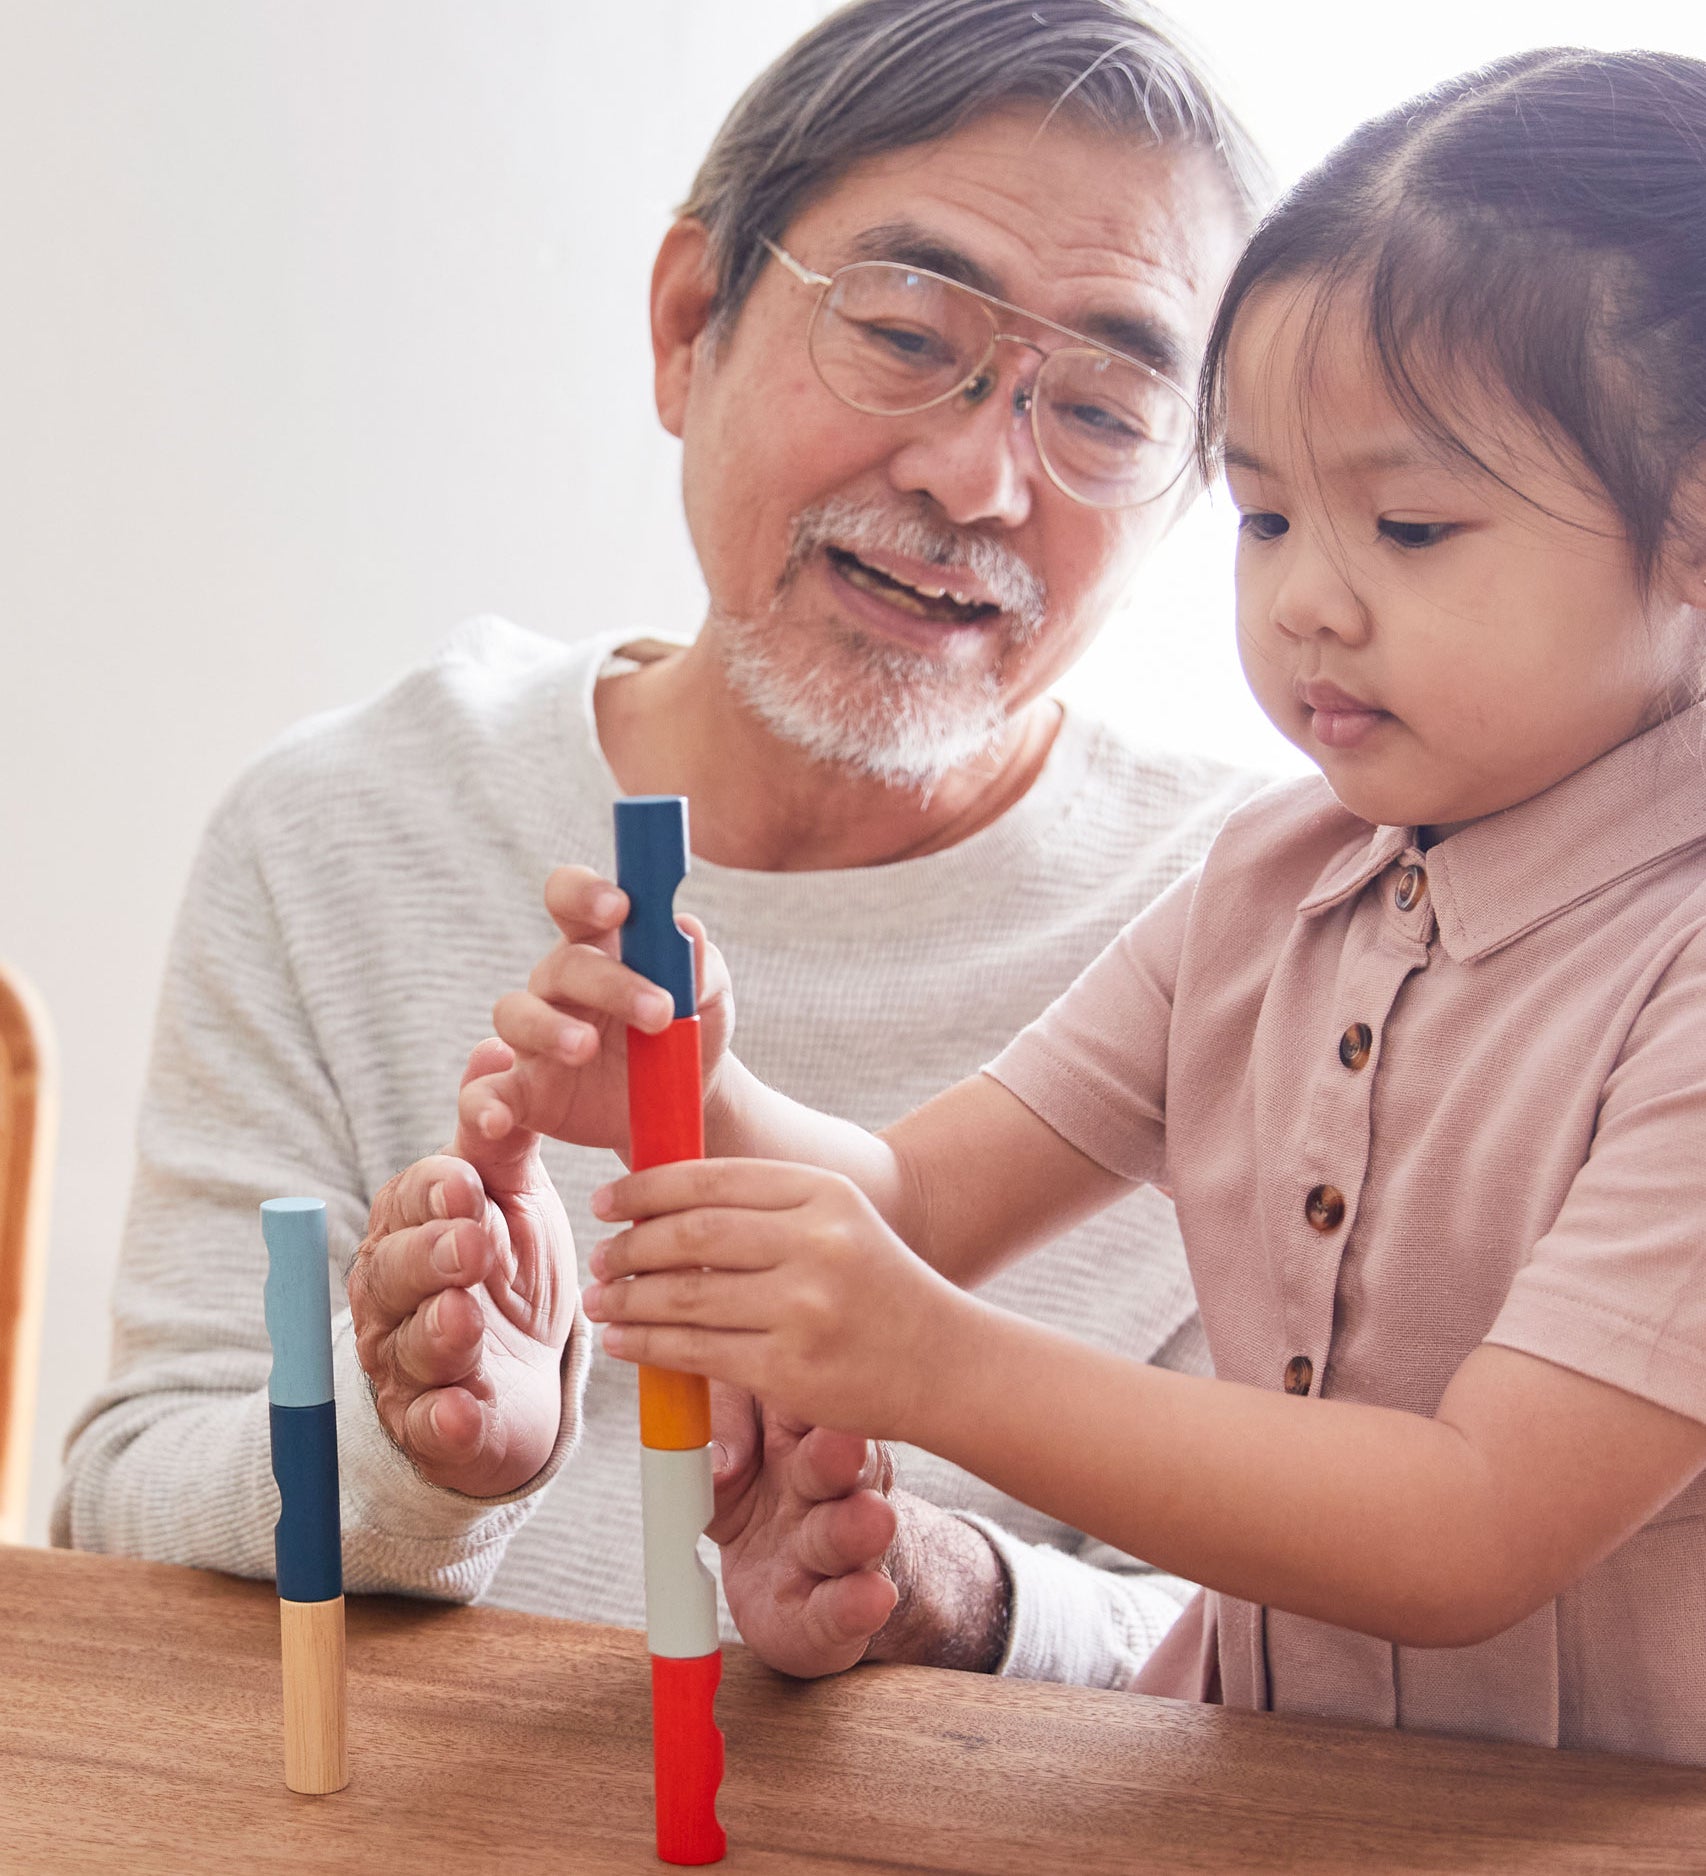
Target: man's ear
{"type": "Point", "coordinates": [684, 286]}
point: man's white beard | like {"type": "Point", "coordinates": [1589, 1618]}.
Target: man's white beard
{"type": "Point", "coordinates": [866, 704]}
{"type": "Point", "coordinates": [878, 709]}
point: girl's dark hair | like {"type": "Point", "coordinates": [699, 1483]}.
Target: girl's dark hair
{"type": "Point", "coordinates": [1537, 228]}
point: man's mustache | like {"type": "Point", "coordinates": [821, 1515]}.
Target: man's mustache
{"type": "Point", "coordinates": [919, 535]}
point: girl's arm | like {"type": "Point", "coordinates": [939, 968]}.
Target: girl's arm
{"type": "Point", "coordinates": [1427, 1532]}
{"type": "Point", "coordinates": [970, 1180]}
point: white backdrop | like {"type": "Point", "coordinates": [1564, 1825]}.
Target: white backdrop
{"type": "Point", "coordinates": [322, 327]}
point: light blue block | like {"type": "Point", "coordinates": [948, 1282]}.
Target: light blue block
{"type": "Point", "coordinates": [298, 1302]}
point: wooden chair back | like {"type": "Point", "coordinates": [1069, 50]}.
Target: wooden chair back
{"type": "Point", "coordinates": [28, 1112]}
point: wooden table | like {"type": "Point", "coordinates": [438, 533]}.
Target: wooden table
{"type": "Point", "coordinates": [140, 1732]}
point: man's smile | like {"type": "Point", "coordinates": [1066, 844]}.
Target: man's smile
{"type": "Point", "coordinates": [949, 599]}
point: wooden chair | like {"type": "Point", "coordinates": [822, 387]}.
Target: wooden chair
{"type": "Point", "coordinates": [28, 1111]}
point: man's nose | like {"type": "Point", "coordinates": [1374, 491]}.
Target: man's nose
{"type": "Point", "coordinates": [974, 455]}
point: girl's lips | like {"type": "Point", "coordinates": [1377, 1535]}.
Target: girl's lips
{"type": "Point", "coordinates": [1344, 729]}
{"type": "Point", "coordinates": [1337, 719]}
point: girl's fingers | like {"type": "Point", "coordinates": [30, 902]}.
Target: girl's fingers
{"type": "Point", "coordinates": [722, 1354]}
{"type": "Point", "coordinates": [712, 1299]}
{"type": "Point", "coordinates": [722, 1237]}
{"type": "Point", "coordinates": [586, 906]}
{"type": "Point", "coordinates": [492, 1106]}
{"type": "Point", "coordinates": [576, 978]}
{"type": "Point", "coordinates": [532, 1026]}
{"type": "Point", "coordinates": [753, 1184]}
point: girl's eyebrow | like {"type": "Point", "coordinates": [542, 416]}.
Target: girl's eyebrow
{"type": "Point", "coordinates": [1364, 462]}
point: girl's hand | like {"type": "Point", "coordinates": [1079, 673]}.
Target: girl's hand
{"type": "Point", "coordinates": [569, 1028]}
{"type": "Point", "coordinates": [782, 1279]}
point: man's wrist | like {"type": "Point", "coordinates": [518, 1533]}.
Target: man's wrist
{"type": "Point", "coordinates": [955, 1598]}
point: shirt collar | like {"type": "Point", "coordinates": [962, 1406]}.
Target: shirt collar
{"type": "Point", "coordinates": [1501, 877]}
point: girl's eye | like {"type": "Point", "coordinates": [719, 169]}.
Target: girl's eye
{"type": "Point", "coordinates": [1413, 534]}
{"type": "Point", "coordinates": [1263, 527]}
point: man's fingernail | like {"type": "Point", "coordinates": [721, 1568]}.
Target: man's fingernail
{"type": "Point", "coordinates": [600, 1201]}
{"type": "Point", "coordinates": [591, 1296]}
{"type": "Point", "coordinates": [446, 1257]}
{"type": "Point", "coordinates": [432, 1420]}
{"type": "Point", "coordinates": [655, 1006]}
{"type": "Point", "coordinates": [719, 1457]}
{"type": "Point", "coordinates": [437, 1203]}
{"type": "Point", "coordinates": [606, 906]}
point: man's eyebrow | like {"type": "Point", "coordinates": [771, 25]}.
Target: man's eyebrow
{"type": "Point", "coordinates": [1135, 334]}
{"type": "Point", "coordinates": [906, 242]}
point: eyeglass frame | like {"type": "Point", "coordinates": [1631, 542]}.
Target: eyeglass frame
{"type": "Point", "coordinates": [1024, 399]}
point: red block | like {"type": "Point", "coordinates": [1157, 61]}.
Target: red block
{"type": "Point", "coordinates": [687, 1758]}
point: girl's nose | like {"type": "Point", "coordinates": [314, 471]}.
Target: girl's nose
{"type": "Point", "coordinates": [1314, 594]}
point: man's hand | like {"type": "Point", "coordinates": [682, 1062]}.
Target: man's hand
{"type": "Point", "coordinates": [825, 1565]}
{"type": "Point", "coordinates": [804, 1524]}
{"type": "Point", "coordinates": [462, 1296]}
{"type": "Point", "coordinates": [567, 1075]}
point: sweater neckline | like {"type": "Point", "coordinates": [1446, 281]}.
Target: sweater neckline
{"type": "Point", "coordinates": [894, 892]}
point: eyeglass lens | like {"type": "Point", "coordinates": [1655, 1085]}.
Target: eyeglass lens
{"type": "Point", "coordinates": [887, 339]}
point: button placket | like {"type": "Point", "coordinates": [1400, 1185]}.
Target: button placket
{"type": "Point", "coordinates": [1382, 947]}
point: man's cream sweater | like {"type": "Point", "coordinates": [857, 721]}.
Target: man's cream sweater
{"type": "Point", "coordinates": [363, 896]}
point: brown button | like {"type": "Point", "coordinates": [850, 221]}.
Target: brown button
{"type": "Point", "coordinates": [1355, 1044]}
{"type": "Point", "coordinates": [1299, 1375]}
{"type": "Point", "coordinates": [1412, 884]}
{"type": "Point", "coordinates": [1325, 1207]}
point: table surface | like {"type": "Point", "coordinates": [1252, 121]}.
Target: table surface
{"type": "Point", "coordinates": [140, 1731]}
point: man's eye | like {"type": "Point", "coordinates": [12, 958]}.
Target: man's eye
{"type": "Point", "coordinates": [906, 342]}
{"type": "Point", "coordinates": [1413, 534]}
{"type": "Point", "coordinates": [1263, 527]}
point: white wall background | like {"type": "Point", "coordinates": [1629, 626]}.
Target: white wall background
{"type": "Point", "coordinates": [321, 327]}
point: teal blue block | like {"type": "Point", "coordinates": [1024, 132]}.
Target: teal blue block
{"type": "Point", "coordinates": [298, 1302]}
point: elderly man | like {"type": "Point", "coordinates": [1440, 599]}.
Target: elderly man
{"type": "Point", "coordinates": [923, 330]}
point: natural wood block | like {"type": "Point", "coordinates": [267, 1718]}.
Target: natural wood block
{"type": "Point", "coordinates": [316, 1753]}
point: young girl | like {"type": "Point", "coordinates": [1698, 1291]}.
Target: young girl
{"type": "Point", "coordinates": [1420, 1052]}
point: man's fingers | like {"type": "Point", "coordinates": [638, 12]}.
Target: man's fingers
{"type": "Point", "coordinates": [440, 1342]}
{"type": "Point", "coordinates": [757, 1184]}
{"type": "Point", "coordinates": [844, 1534]}
{"type": "Point", "coordinates": [443, 1428]}
{"type": "Point", "coordinates": [846, 1611]}
{"type": "Point", "coordinates": [440, 1186]}
{"type": "Point", "coordinates": [737, 1436]}
{"type": "Point", "coordinates": [827, 1464]}
{"type": "Point", "coordinates": [393, 1278]}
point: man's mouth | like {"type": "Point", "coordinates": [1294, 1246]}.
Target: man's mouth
{"type": "Point", "coordinates": [922, 601]}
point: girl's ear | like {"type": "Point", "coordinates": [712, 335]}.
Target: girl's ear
{"type": "Point", "coordinates": [684, 289]}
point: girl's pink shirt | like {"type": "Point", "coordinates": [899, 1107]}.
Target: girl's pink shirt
{"type": "Point", "coordinates": [1515, 1153]}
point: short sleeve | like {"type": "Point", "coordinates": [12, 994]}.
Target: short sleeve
{"type": "Point", "coordinates": [1616, 1290]}
{"type": "Point", "coordinates": [1094, 1064]}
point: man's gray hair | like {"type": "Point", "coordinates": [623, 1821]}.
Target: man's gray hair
{"type": "Point", "coordinates": [880, 75]}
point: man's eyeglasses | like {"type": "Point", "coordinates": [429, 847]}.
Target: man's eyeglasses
{"type": "Point", "coordinates": [892, 339]}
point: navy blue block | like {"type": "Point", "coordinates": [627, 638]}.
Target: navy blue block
{"type": "Point", "coordinates": [306, 1540]}
{"type": "Point", "coordinates": [651, 862]}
